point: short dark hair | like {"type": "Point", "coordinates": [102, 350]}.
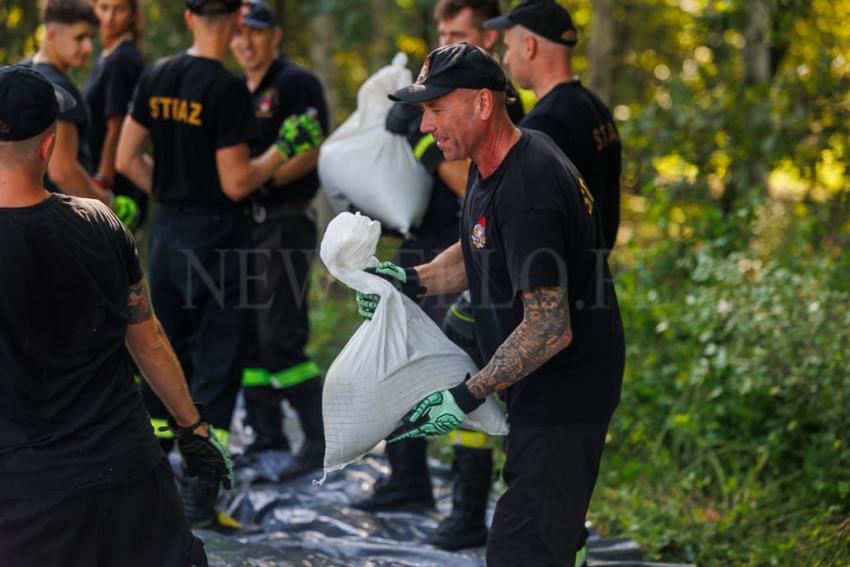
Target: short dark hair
{"type": "Point", "coordinates": [68, 12]}
{"type": "Point", "coordinates": [481, 9]}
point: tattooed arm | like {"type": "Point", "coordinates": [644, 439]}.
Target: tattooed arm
{"type": "Point", "coordinates": [544, 332]}
{"type": "Point", "coordinates": [155, 358]}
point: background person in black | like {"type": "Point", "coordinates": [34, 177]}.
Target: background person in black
{"type": "Point", "coordinates": [283, 233]}
{"type": "Point", "coordinates": [409, 482]}
{"type": "Point", "coordinates": [84, 479]}
{"type": "Point", "coordinates": [540, 37]}
{"type": "Point", "coordinates": [70, 26]}
{"type": "Point", "coordinates": [108, 92]}
{"type": "Point", "coordinates": [545, 310]}
{"type": "Point", "coordinates": [200, 120]}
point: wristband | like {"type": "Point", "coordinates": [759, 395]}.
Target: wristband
{"type": "Point", "coordinates": [464, 398]}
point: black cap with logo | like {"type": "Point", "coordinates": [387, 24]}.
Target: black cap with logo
{"type": "Point", "coordinates": [213, 7]}
{"type": "Point", "coordinates": [454, 66]}
{"type": "Point", "coordinates": [546, 18]}
{"type": "Point", "coordinates": [257, 14]}
{"type": "Point", "coordinates": [29, 103]}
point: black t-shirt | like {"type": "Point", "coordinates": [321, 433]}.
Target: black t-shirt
{"type": "Point", "coordinates": [109, 89]}
{"type": "Point", "coordinates": [79, 116]}
{"type": "Point", "coordinates": [286, 89]}
{"type": "Point", "coordinates": [71, 417]}
{"type": "Point", "coordinates": [582, 126]}
{"type": "Point", "coordinates": [533, 223]}
{"type": "Point", "coordinates": [192, 107]}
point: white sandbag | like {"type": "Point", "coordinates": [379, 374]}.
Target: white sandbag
{"type": "Point", "coordinates": [391, 362]}
{"type": "Point", "coordinates": [370, 168]}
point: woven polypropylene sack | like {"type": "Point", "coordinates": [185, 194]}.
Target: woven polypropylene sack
{"type": "Point", "coordinates": [364, 167]}
{"type": "Point", "coordinates": [391, 362]}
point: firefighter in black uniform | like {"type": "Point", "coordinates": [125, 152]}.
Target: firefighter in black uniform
{"type": "Point", "coordinates": [200, 120]}
{"type": "Point", "coordinates": [409, 482]}
{"type": "Point", "coordinates": [283, 232]}
{"type": "Point", "coordinates": [85, 482]}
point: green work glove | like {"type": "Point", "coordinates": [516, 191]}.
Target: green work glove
{"type": "Point", "coordinates": [126, 209]}
{"type": "Point", "coordinates": [406, 280]}
{"type": "Point", "coordinates": [437, 414]}
{"type": "Point", "coordinates": [299, 134]}
{"type": "Point", "coordinates": [203, 457]}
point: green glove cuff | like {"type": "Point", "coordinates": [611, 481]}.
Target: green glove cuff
{"type": "Point", "coordinates": [127, 210]}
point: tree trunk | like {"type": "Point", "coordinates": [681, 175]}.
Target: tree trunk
{"type": "Point", "coordinates": [600, 50]}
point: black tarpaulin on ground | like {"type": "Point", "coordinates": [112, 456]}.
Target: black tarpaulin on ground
{"type": "Point", "coordinates": [302, 524]}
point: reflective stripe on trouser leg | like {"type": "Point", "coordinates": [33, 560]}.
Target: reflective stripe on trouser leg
{"type": "Point", "coordinates": [294, 375]}
{"type": "Point", "coordinates": [255, 378]}
{"type": "Point", "coordinates": [471, 439]}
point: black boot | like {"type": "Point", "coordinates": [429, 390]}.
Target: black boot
{"type": "Point", "coordinates": [266, 419]}
{"type": "Point", "coordinates": [408, 485]}
{"type": "Point", "coordinates": [199, 507]}
{"type": "Point", "coordinates": [465, 527]}
{"type": "Point", "coordinates": [306, 400]}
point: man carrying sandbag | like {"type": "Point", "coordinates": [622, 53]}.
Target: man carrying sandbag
{"type": "Point", "coordinates": [546, 316]}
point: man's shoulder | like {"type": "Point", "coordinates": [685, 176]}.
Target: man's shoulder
{"type": "Point", "coordinates": [287, 73]}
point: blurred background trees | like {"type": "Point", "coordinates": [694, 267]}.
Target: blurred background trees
{"type": "Point", "coordinates": [731, 445]}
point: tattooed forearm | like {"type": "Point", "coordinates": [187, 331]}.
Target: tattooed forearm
{"type": "Point", "coordinates": [139, 303]}
{"type": "Point", "coordinates": [544, 331]}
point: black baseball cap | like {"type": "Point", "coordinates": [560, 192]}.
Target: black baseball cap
{"type": "Point", "coordinates": [454, 66]}
{"type": "Point", "coordinates": [213, 7]}
{"type": "Point", "coordinates": [546, 18]}
{"type": "Point", "coordinates": [29, 103]}
{"type": "Point", "coordinates": [257, 14]}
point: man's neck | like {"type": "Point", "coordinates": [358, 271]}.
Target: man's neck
{"type": "Point", "coordinates": [47, 55]}
{"type": "Point", "coordinates": [255, 76]}
{"type": "Point", "coordinates": [209, 46]}
{"type": "Point", "coordinates": [20, 188]}
{"type": "Point", "coordinates": [549, 77]}
{"type": "Point", "coordinates": [498, 141]}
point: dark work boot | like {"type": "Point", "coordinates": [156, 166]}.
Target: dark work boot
{"type": "Point", "coordinates": [266, 419]}
{"type": "Point", "coordinates": [310, 457]}
{"type": "Point", "coordinates": [408, 485]}
{"type": "Point", "coordinates": [200, 511]}
{"type": "Point", "coordinates": [465, 527]}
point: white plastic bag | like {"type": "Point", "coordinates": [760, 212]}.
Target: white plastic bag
{"type": "Point", "coordinates": [391, 362]}
{"type": "Point", "coordinates": [374, 170]}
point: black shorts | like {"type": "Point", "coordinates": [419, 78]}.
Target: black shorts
{"type": "Point", "coordinates": [550, 473]}
{"type": "Point", "coordinates": [136, 524]}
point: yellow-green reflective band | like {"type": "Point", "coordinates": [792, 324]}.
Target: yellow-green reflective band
{"type": "Point", "coordinates": [471, 439]}
{"type": "Point", "coordinates": [581, 557]}
{"type": "Point", "coordinates": [137, 378]}
{"type": "Point", "coordinates": [157, 423]}
{"type": "Point", "coordinates": [255, 377]}
{"type": "Point", "coordinates": [294, 375]}
{"type": "Point", "coordinates": [222, 435]}
{"type": "Point", "coordinates": [461, 316]}
{"type": "Point", "coordinates": [422, 145]}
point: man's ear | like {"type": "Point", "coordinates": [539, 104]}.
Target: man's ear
{"type": "Point", "coordinates": [277, 36]}
{"type": "Point", "coordinates": [189, 18]}
{"type": "Point", "coordinates": [484, 103]}
{"type": "Point", "coordinates": [48, 142]}
{"type": "Point", "coordinates": [531, 46]}
{"type": "Point", "coordinates": [490, 39]}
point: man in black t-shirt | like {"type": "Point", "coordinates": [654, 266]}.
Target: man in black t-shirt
{"type": "Point", "coordinates": [70, 26]}
{"type": "Point", "coordinates": [283, 233]}
{"type": "Point", "coordinates": [108, 91]}
{"type": "Point", "coordinates": [84, 481]}
{"type": "Point", "coordinates": [540, 37]}
{"type": "Point", "coordinates": [409, 482]}
{"type": "Point", "coordinates": [199, 118]}
{"type": "Point", "coordinates": [543, 301]}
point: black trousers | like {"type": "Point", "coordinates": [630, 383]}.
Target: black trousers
{"type": "Point", "coordinates": [550, 473]}
{"type": "Point", "coordinates": [284, 248]}
{"type": "Point", "coordinates": [198, 261]}
{"type": "Point", "coordinates": [136, 524]}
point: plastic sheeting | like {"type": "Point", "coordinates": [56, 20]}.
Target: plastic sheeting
{"type": "Point", "coordinates": [301, 524]}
